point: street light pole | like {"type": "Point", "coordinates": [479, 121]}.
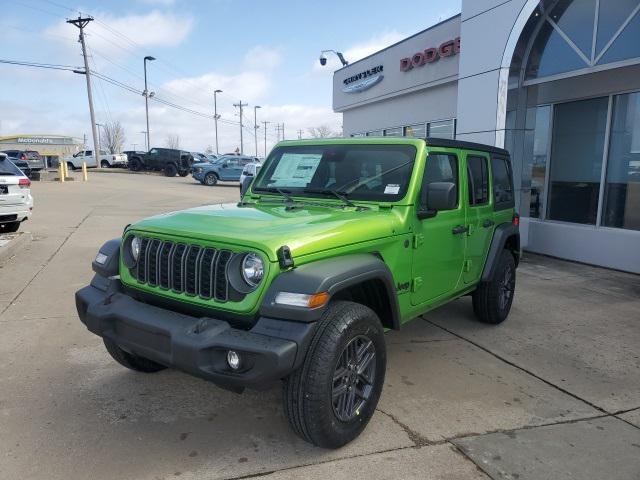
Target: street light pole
{"type": "Point", "coordinates": [255, 125]}
{"type": "Point", "coordinates": [216, 116]}
{"type": "Point", "coordinates": [147, 95]}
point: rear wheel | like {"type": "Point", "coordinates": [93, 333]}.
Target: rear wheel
{"type": "Point", "coordinates": [70, 166]}
{"type": "Point", "coordinates": [9, 227]}
{"type": "Point", "coordinates": [130, 360]}
{"type": "Point", "coordinates": [210, 179]}
{"type": "Point", "coordinates": [183, 173]}
{"type": "Point", "coordinates": [330, 399]}
{"type": "Point", "coordinates": [492, 300]}
{"type": "Point", "coordinates": [170, 170]}
{"type": "Point", "coordinates": [105, 164]}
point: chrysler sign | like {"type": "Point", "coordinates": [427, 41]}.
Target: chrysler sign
{"type": "Point", "coordinates": [430, 55]}
{"type": "Point", "coordinates": [363, 81]}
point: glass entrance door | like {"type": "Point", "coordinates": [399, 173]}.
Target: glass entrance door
{"type": "Point", "coordinates": [577, 151]}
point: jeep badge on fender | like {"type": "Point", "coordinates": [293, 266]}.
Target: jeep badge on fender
{"type": "Point", "coordinates": [334, 242]}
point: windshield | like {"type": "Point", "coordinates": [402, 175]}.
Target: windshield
{"type": "Point", "coordinates": [361, 172]}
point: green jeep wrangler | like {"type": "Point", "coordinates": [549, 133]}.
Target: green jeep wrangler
{"type": "Point", "coordinates": [334, 242]}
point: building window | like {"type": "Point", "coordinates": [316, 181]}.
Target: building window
{"type": "Point", "coordinates": [393, 132]}
{"type": "Point", "coordinates": [375, 133]}
{"type": "Point", "coordinates": [576, 160]}
{"type": "Point", "coordinates": [566, 42]}
{"type": "Point", "coordinates": [536, 155]}
{"type": "Point", "coordinates": [443, 129]}
{"type": "Point", "coordinates": [417, 130]}
{"type": "Point", "coordinates": [478, 175]}
{"type": "Point", "coordinates": [622, 189]}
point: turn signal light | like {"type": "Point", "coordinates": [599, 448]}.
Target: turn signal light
{"type": "Point", "coordinates": [302, 299]}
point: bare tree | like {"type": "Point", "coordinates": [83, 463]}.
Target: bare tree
{"type": "Point", "coordinates": [209, 150]}
{"type": "Point", "coordinates": [172, 141]}
{"type": "Point", "coordinates": [112, 137]}
{"type": "Point", "coordinates": [321, 131]}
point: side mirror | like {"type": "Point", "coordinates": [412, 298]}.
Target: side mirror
{"type": "Point", "coordinates": [246, 182]}
{"type": "Point", "coordinates": [438, 196]}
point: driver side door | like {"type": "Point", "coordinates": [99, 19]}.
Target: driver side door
{"type": "Point", "coordinates": [438, 246]}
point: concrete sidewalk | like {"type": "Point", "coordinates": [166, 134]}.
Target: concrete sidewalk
{"type": "Point", "coordinates": [554, 392]}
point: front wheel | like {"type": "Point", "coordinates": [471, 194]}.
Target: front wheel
{"type": "Point", "coordinates": [330, 399]}
{"type": "Point", "coordinates": [135, 165]}
{"type": "Point", "coordinates": [70, 166]}
{"type": "Point", "coordinates": [170, 170]}
{"type": "Point", "coordinates": [210, 179]}
{"type": "Point", "coordinates": [130, 360]}
{"type": "Point", "coordinates": [105, 164]}
{"type": "Point", "coordinates": [492, 300]}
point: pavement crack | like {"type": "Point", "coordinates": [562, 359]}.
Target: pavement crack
{"type": "Point", "coordinates": [414, 436]}
{"type": "Point", "coordinates": [515, 365]}
{"type": "Point", "coordinates": [46, 264]}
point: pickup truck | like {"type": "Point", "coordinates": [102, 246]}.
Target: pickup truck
{"type": "Point", "coordinates": [106, 159]}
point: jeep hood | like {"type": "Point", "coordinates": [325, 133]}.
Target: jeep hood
{"type": "Point", "coordinates": [305, 229]}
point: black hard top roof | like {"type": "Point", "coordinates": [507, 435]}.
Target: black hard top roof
{"type": "Point", "coordinates": [448, 143]}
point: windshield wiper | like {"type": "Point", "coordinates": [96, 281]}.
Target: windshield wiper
{"type": "Point", "coordinates": [328, 191]}
{"type": "Point", "coordinates": [284, 193]}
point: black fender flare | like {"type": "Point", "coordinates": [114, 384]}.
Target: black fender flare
{"type": "Point", "coordinates": [111, 249]}
{"type": "Point", "coordinates": [330, 275]}
{"type": "Point", "coordinates": [501, 234]}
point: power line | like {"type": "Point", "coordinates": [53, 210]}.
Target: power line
{"type": "Point", "coordinates": [51, 66]}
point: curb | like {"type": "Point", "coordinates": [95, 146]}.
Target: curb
{"type": "Point", "coordinates": [15, 242]}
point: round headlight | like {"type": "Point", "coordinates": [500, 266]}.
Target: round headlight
{"type": "Point", "coordinates": [135, 248]}
{"type": "Point", "coordinates": [252, 269]}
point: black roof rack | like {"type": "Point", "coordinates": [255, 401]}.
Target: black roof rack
{"type": "Point", "coordinates": [448, 143]}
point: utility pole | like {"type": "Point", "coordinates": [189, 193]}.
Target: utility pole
{"type": "Point", "coordinates": [278, 131]}
{"type": "Point", "coordinates": [216, 116]}
{"type": "Point", "coordinates": [255, 125]}
{"type": "Point", "coordinates": [147, 95]}
{"type": "Point", "coordinates": [81, 23]}
{"type": "Point", "coordinates": [299, 134]}
{"type": "Point", "coordinates": [282, 130]}
{"type": "Point", "coordinates": [265, 138]}
{"type": "Point", "coordinates": [241, 105]}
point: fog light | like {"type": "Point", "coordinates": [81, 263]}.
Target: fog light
{"type": "Point", "coordinates": [233, 359]}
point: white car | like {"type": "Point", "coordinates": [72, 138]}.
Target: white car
{"type": "Point", "coordinates": [16, 202]}
{"type": "Point", "coordinates": [106, 159]}
{"type": "Point", "coordinates": [250, 170]}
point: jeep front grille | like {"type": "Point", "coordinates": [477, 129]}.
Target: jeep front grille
{"type": "Point", "coordinates": [188, 269]}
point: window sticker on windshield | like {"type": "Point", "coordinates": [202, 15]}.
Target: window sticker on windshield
{"type": "Point", "coordinates": [295, 170]}
{"type": "Point", "coordinates": [392, 189]}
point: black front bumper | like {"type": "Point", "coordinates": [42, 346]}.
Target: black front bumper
{"type": "Point", "coordinates": [269, 351]}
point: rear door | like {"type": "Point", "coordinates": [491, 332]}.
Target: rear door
{"type": "Point", "coordinates": [479, 214]}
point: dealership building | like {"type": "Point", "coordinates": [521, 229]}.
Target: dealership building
{"type": "Point", "coordinates": [557, 83]}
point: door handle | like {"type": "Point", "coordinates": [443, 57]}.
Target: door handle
{"type": "Point", "coordinates": [459, 229]}
{"type": "Point", "coordinates": [488, 223]}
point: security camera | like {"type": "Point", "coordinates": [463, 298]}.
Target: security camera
{"type": "Point", "coordinates": [323, 60]}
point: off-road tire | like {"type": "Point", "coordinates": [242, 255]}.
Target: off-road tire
{"type": "Point", "coordinates": [183, 173]}
{"type": "Point", "coordinates": [210, 179]}
{"type": "Point", "coordinates": [135, 165]}
{"type": "Point", "coordinates": [489, 302]}
{"type": "Point", "coordinates": [131, 361]}
{"type": "Point", "coordinates": [307, 392]}
{"type": "Point", "coordinates": [170, 170]}
{"type": "Point", "coordinates": [9, 227]}
{"type": "Point", "coordinates": [105, 164]}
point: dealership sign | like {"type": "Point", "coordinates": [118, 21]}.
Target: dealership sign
{"type": "Point", "coordinates": [363, 81]}
{"type": "Point", "coordinates": [431, 55]}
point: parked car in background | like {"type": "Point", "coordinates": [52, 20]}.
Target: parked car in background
{"type": "Point", "coordinates": [212, 157]}
{"type": "Point", "coordinates": [33, 158]}
{"type": "Point", "coordinates": [168, 160]}
{"type": "Point", "coordinates": [199, 157]}
{"type": "Point", "coordinates": [106, 159]}
{"type": "Point", "coordinates": [250, 171]}
{"type": "Point", "coordinates": [16, 201]}
{"type": "Point", "coordinates": [227, 169]}
{"type": "Point", "coordinates": [133, 153]}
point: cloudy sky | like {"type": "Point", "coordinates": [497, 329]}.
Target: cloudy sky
{"type": "Point", "coordinates": [262, 52]}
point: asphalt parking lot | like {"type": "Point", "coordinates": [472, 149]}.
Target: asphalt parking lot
{"type": "Point", "coordinates": [553, 393]}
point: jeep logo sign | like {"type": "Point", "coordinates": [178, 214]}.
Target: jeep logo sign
{"type": "Point", "coordinates": [430, 55]}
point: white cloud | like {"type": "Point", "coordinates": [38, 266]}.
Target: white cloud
{"type": "Point", "coordinates": [360, 50]}
{"type": "Point", "coordinates": [262, 57]}
{"type": "Point", "coordinates": [154, 29]}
